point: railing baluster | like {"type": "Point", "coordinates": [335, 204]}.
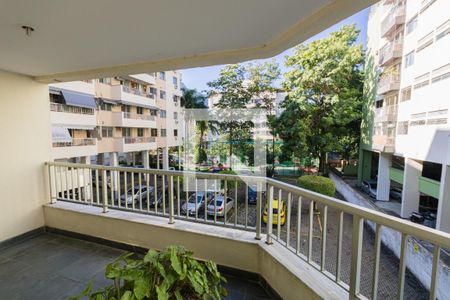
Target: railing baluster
{"type": "Point", "coordinates": [206, 200]}
{"type": "Point", "coordinates": [50, 185]}
{"type": "Point", "coordinates": [269, 216]}
{"type": "Point", "coordinates": [105, 192]}
{"type": "Point", "coordinates": [310, 229]}
{"type": "Point", "coordinates": [339, 246]}
{"type": "Point", "coordinates": [376, 262]}
{"type": "Point", "coordinates": [246, 205]}
{"type": "Point", "coordinates": [59, 176]}
{"type": "Point", "coordinates": [288, 220]}
{"type": "Point", "coordinates": [155, 191]}
{"type": "Point", "coordinates": [113, 186]}
{"type": "Point", "coordinates": [125, 189]}
{"type": "Point", "coordinates": [196, 199]}
{"type": "Point", "coordinates": [355, 270]}
{"type": "Point", "coordinates": [178, 196]}
{"type": "Point", "coordinates": [171, 217]}
{"type": "Point", "coordinates": [97, 186]}
{"type": "Point", "coordinates": [434, 272]}
{"type": "Point", "coordinates": [163, 194]}
{"type": "Point", "coordinates": [324, 238]}
{"type": "Point", "coordinates": [92, 186]}
{"type": "Point", "coordinates": [235, 203]}
{"type": "Point", "coordinates": [215, 206]}
{"type": "Point", "coordinates": [402, 267]}
{"type": "Point", "coordinates": [147, 194]}
{"type": "Point", "coordinates": [85, 182]}
{"type": "Point", "coordinates": [225, 203]}
{"type": "Point", "coordinates": [258, 211]}
{"type": "Point", "coordinates": [279, 214]}
{"type": "Point", "coordinates": [299, 224]}
{"type": "Point", "coordinates": [66, 190]}
{"type": "Point", "coordinates": [73, 184]}
{"type": "Point", "coordinates": [187, 195]}
{"type": "Point", "coordinates": [132, 191]}
{"type": "Point", "coordinates": [140, 190]}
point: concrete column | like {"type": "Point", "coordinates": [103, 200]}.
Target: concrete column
{"type": "Point", "coordinates": [165, 158]}
{"type": "Point", "coordinates": [443, 219]}
{"type": "Point", "coordinates": [157, 158]}
{"type": "Point", "coordinates": [145, 159]}
{"type": "Point", "coordinates": [384, 182]}
{"type": "Point", "coordinates": [411, 194]}
{"type": "Point", "coordinates": [85, 160]}
{"type": "Point", "coordinates": [114, 162]}
{"type": "Point", "coordinates": [87, 177]}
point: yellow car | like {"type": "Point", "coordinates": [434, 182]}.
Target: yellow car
{"type": "Point", "coordinates": [275, 212]}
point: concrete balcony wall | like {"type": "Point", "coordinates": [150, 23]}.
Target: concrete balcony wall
{"type": "Point", "coordinates": [394, 18]}
{"type": "Point", "coordinates": [64, 118]}
{"type": "Point", "coordinates": [76, 150]}
{"type": "Point", "coordinates": [122, 119]}
{"type": "Point", "coordinates": [383, 143]}
{"type": "Point", "coordinates": [390, 52]}
{"type": "Point", "coordinates": [147, 78]}
{"type": "Point", "coordinates": [139, 100]}
{"type": "Point", "coordinates": [388, 84]}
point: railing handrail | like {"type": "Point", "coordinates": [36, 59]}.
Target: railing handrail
{"type": "Point", "coordinates": [133, 115]}
{"type": "Point", "coordinates": [432, 235]}
{"type": "Point", "coordinates": [60, 107]}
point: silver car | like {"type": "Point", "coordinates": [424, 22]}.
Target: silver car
{"type": "Point", "coordinates": [221, 208]}
{"type": "Point", "coordinates": [135, 194]}
{"type": "Point", "coordinates": [191, 207]}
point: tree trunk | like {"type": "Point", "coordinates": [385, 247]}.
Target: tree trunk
{"type": "Point", "coordinates": [322, 163]}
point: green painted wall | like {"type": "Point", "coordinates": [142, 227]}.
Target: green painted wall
{"type": "Point", "coordinates": [364, 165]}
{"type": "Point", "coordinates": [429, 186]}
{"type": "Point", "coordinates": [396, 175]}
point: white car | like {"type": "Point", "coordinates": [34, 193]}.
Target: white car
{"type": "Point", "coordinates": [221, 208]}
{"type": "Point", "coordinates": [190, 206]}
{"type": "Point", "coordinates": [139, 191]}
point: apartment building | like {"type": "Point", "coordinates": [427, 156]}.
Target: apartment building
{"type": "Point", "coordinates": [405, 131]}
{"type": "Point", "coordinates": [121, 119]}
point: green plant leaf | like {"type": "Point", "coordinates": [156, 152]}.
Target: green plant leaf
{"type": "Point", "coordinates": [223, 292]}
{"type": "Point", "coordinates": [162, 293]}
{"type": "Point", "coordinates": [178, 295]}
{"type": "Point", "coordinates": [151, 256]}
{"type": "Point", "coordinates": [141, 287]}
{"type": "Point", "coordinates": [175, 261]}
{"type": "Point", "coordinates": [128, 295]}
{"type": "Point", "coordinates": [84, 293]}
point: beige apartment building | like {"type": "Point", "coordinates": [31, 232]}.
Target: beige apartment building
{"type": "Point", "coordinates": [122, 119]}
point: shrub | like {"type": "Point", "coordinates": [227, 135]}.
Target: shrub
{"type": "Point", "coordinates": [318, 184]}
{"type": "Point", "coordinates": [170, 274]}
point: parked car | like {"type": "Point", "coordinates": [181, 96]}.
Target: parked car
{"type": "Point", "coordinates": [253, 194]}
{"type": "Point", "coordinates": [275, 211]}
{"type": "Point", "coordinates": [370, 188]}
{"type": "Point", "coordinates": [135, 194]}
{"type": "Point", "coordinates": [396, 193]}
{"type": "Point", "coordinates": [190, 206]}
{"type": "Point", "coordinates": [221, 208]}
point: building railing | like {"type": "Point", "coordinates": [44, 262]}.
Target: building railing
{"type": "Point", "coordinates": [386, 112]}
{"type": "Point", "coordinates": [388, 83]}
{"type": "Point", "coordinates": [77, 142]}
{"type": "Point", "coordinates": [58, 107]}
{"type": "Point", "coordinates": [138, 92]}
{"type": "Point", "coordinates": [130, 115]}
{"type": "Point", "coordinates": [227, 206]}
{"type": "Point", "coordinates": [138, 140]}
{"type": "Point", "coordinates": [390, 51]}
{"type": "Point", "coordinates": [396, 16]}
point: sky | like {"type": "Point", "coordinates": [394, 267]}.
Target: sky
{"type": "Point", "coordinates": [197, 78]}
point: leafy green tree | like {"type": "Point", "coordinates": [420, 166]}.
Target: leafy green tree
{"type": "Point", "coordinates": [322, 112]}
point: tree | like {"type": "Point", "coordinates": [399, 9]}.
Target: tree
{"type": "Point", "coordinates": [322, 112]}
{"type": "Point", "coordinates": [236, 88]}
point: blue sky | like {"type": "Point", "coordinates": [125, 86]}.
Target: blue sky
{"type": "Point", "coordinates": [198, 77]}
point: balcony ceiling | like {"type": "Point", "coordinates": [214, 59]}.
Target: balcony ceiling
{"type": "Point", "coordinates": [87, 39]}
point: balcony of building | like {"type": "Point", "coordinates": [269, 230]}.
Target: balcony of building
{"type": "Point", "coordinates": [388, 83]}
{"type": "Point", "coordinates": [394, 19]}
{"type": "Point", "coordinates": [132, 119]}
{"type": "Point", "coordinates": [386, 114]}
{"type": "Point", "coordinates": [133, 96]}
{"type": "Point", "coordinates": [72, 115]}
{"type": "Point", "coordinates": [75, 147]}
{"type": "Point", "coordinates": [390, 52]}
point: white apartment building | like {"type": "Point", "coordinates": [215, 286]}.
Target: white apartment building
{"type": "Point", "coordinates": [124, 118]}
{"type": "Point", "coordinates": [406, 130]}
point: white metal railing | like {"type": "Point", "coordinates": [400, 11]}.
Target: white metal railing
{"type": "Point", "coordinates": [77, 142]}
{"type": "Point", "coordinates": [162, 193]}
{"type": "Point", "coordinates": [58, 107]}
{"type": "Point", "coordinates": [396, 16]}
{"type": "Point", "coordinates": [138, 139]}
{"type": "Point", "coordinates": [134, 91]}
{"type": "Point", "coordinates": [390, 50]}
{"type": "Point", "coordinates": [130, 115]}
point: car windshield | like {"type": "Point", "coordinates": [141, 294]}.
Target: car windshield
{"type": "Point", "coordinates": [199, 198]}
{"type": "Point", "coordinates": [218, 202]}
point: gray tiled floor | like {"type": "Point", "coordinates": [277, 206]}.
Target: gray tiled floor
{"type": "Point", "coordinates": [52, 266]}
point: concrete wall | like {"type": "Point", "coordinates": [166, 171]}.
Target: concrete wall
{"type": "Point", "coordinates": [25, 146]}
{"type": "Point", "coordinates": [289, 275]}
{"type": "Point", "coordinates": [419, 259]}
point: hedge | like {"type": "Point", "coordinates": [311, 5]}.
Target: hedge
{"type": "Point", "coordinates": [318, 184]}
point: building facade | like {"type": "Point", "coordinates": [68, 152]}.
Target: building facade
{"type": "Point", "coordinates": [405, 128]}
{"type": "Point", "coordinates": [121, 120]}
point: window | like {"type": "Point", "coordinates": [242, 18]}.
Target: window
{"type": "Point", "coordinates": [154, 132]}
{"type": "Point", "coordinates": [437, 121]}
{"type": "Point", "coordinates": [417, 123]}
{"type": "Point", "coordinates": [105, 80]}
{"type": "Point", "coordinates": [175, 82]}
{"type": "Point", "coordinates": [153, 112]}
{"type": "Point", "coordinates": [106, 106]}
{"type": "Point", "coordinates": [153, 91]}
{"type": "Point", "coordinates": [107, 132]}
{"type": "Point", "coordinates": [175, 98]}
{"type": "Point", "coordinates": [379, 103]}
{"type": "Point", "coordinates": [126, 108]}
{"type": "Point", "coordinates": [126, 132]}
{"type": "Point", "coordinates": [162, 94]}
{"type": "Point", "coordinates": [441, 73]}
{"type": "Point", "coordinates": [437, 113]}
{"type": "Point", "coordinates": [406, 94]}
{"type": "Point", "coordinates": [163, 132]}
{"type": "Point", "coordinates": [409, 59]}
{"type": "Point", "coordinates": [162, 75]}
{"type": "Point", "coordinates": [175, 132]}
{"type": "Point", "coordinates": [443, 30]}
{"type": "Point", "coordinates": [139, 110]}
{"type": "Point", "coordinates": [402, 128]}
{"type": "Point", "coordinates": [175, 115]}
{"type": "Point", "coordinates": [419, 116]}
{"type": "Point", "coordinates": [411, 25]}
{"type": "Point", "coordinates": [140, 132]}
{"type": "Point", "coordinates": [162, 113]}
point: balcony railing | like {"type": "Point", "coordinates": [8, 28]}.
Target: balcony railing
{"type": "Point", "coordinates": [386, 113]}
{"type": "Point", "coordinates": [395, 17]}
{"type": "Point", "coordinates": [168, 199]}
{"type": "Point", "coordinates": [130, 115]}
{"type": "Point", "coordinates": [389, 83]}
{"type": "Point", "coordinates": [138, 140]}
{"type": "Point", "coordinates": [58, 107]}
{"type": "Point", "coordinates": [138, 92]}
{"type": "Point", "coordinates": [77, 142]}
{"type": "Point", "coordinates": [390, 52]}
